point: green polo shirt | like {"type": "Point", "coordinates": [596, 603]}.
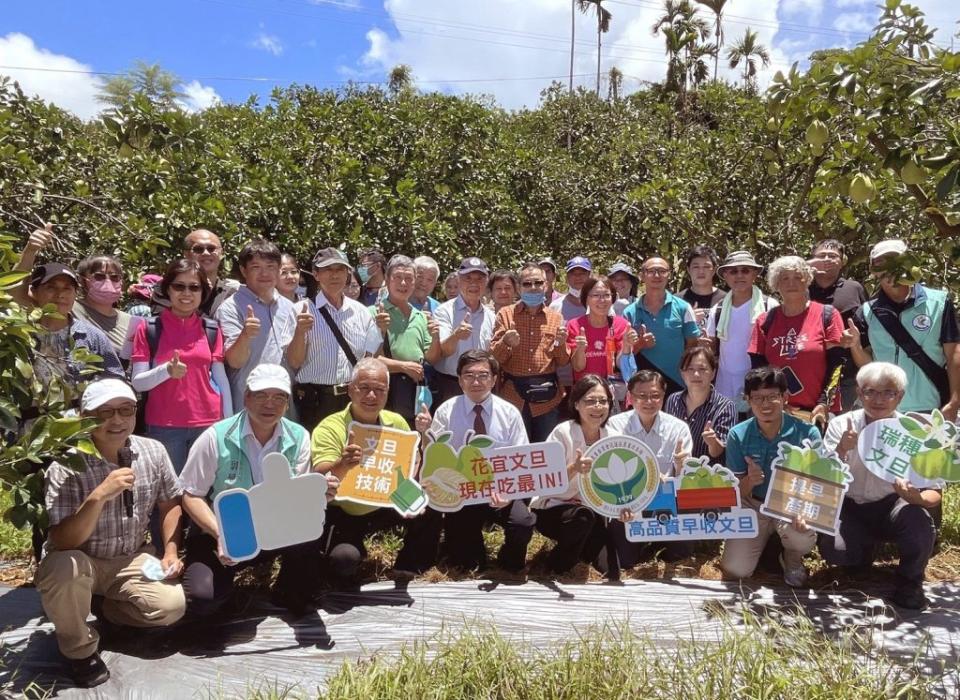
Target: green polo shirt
{"type": "Point", "coordinates": [408, 335]}
{"type": "Point", "coordinates": [330, 437]}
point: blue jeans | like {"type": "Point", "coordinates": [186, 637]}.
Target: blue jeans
{"type": "Point", "coordinates": [178, 442]}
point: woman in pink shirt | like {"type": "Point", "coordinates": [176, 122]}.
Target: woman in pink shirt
{"type": "Point", "coordinates": [596, 338]}
{"type": "Point", "coordinates": [183, 371]}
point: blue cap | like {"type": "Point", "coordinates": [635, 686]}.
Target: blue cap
{"type": "Point", "coordinates": [580, 262]}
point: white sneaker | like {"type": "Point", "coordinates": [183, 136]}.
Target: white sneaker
{"type": "Point", "coordinates": [794, 576]}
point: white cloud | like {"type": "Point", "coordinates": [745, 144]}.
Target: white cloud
{"type": "Point", "coordinates": [74, 91]}
{"type": "Point", "coordinates": [199, 97]}
{"type": "Point", "coordinates": [853, 22]}
{"type": "Point", "coordinates": [268, 42]}
{"type": "Point", "coordinates": [810, 9]}
{"type": "Point", "coordinates": [855, 3]}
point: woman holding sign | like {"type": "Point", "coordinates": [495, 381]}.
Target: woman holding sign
{"type": "Point", "coordinates": [578, 531]}
{"type": "Point", "coordinates": [879, 505]}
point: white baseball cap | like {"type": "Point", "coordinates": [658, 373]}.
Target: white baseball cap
{"type": "Point", "coordinates": [890, 246]}
{"type": "Point", "coordinates": [99, 392]}
{"type": "Point", "coordinates": [267, 376]}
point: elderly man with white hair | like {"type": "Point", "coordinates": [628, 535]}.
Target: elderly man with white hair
{"type": "Point", "coordinates": [427, 273]}
{"type": "Point", "coordinates": [875, 510]}
{"type": "Point", "coordinates": [802, 337]}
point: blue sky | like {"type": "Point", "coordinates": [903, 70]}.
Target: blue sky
{"type": "Point", "coordinates": [505, 48]}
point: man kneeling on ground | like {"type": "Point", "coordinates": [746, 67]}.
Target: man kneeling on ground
{"type": "Point", "coordinates": [228, 455]}
{"type": "Point", "coordinates": [97, 539]}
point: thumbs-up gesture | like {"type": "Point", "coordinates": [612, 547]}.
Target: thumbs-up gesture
{"type": "Point", "coordinates": [630, 341]}
{"type": "Point", "coordinates": [581, 341]}
{"type": "Point", "coordinates": [561, 335]}
{"type": "Point", "coordinates": [511, 338]}
{"type": "Point", "coordinates": [464, 330]}
{"type": "Point", "coordinates": [40, 238]}
{"type": "Point", "coordinates": [700, 314]}
{"type": "Point", "coordinates": [433, 326]}
{"type": "Point", "coordinates": [423, 419]}
{"type": "Point", "coordinates": [352, 453]}
{"type": "Point", "coordinates": [383, 318]}
{"type": "Point", "coordinates": [304, 319]}
{"type": "Point", "coordinates": [680, 454]}
{"type": "Point", "coordinates": [251, 324]}
{"type": "Point", "coordinates": [709, 436]}
{"type": "Point", "coordinates": [580, 464]}
{"type": "Point", "coordinates": [754, 475]}
{"type": "Point", "coordinates": [851, 335]}
{"type": "Point", "coordinates": [175, 368]}
{"type": "Point", "coordinates": [848, 440]}
{"type": "Point", "coordinates": [646, 338]}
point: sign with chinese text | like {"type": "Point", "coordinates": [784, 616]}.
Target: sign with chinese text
{"type": "Point", "coordinates": [454, 479]}
{"type": "Point", "coordinates": [703, 503]}
{"type": "Point", "coordinates": [280, 511]}
{"type": "Point", "coordinates": [383, 477]}
{"type": "Point", "coordinates": [624, 476]}
{"type": "Point", "coordinates": [921, 449]}
{"type": "Point", "coordinates": [807, 482]}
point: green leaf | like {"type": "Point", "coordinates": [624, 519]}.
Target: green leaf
{"type": "Point", "coordinates": [481, 441]}
{"type": "Point", "coordinates": [948, 182]}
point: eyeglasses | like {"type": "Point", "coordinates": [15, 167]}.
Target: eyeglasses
{"type": "Point", "coordinates": [290, 272]}
{"type": "Point", "coordinates": [656, 272]}
{"type": "Point", "coordinates": [697, 370]}
{"type": "Point", "coordinates": [764, 399]}
{"type": "Point", "coordinates": [263, 397]}
{"type": "Point", "coordinates": [536, 284]}
{"type": "Point", "coordinates": [200, 248]}
{"type": "Point", "coordinates": [594, 403]}
{"type": "Point", "coordinates": [887, 394]}
{"type": "Point", "coordinates": [193, 287]}
{"type": "Point", "coordinates": [105, 414]}
{"type": "Point", "coordinates": [739, 270]}
{"type": "Point", "coordinates": [474, 377]}
{"type": "Point", "coordinates": [828, 255]}
{"type": "Point", "coordinates": [365, 389]}
{"type": "Point", "coordinates": [103, 276]}
{"type": "Point", "coordinates": [647, 397]}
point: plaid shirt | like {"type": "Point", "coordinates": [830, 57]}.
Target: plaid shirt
{"type": "Point", "coordinates": [114, 534]}
{"type": "Point", "coordinates": [539, 351]}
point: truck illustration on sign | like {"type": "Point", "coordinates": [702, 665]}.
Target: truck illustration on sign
{"type": "Point", "coordinates": [709, 502]}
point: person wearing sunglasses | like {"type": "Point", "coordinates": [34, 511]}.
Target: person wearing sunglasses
{"type": "Point", "coordinates": [874, 510]}
{"type": "Point", "coordinates": [175, 361]}
{"type": "Point", "coordinates": [730, 324]}
{"type": "Point", "coordinates": [96, 544]}
{"type": "Point", "coordinates": [204, 247]}
{"type": "Point", "coordinates": [101, 286]}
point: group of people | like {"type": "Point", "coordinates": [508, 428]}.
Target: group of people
{"type": "Point", "coordinates": [224, 372]}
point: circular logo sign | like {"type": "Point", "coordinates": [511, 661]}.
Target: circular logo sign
{"type": "Point", "coordinates": [922, 322]}
{"type": "Point", "coordinates": [624, 476]}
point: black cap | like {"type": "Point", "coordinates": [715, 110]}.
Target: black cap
{"type": "Point", "coordinates": [46, 272]}
{"type": "Point", "coordinates": [473, 264]}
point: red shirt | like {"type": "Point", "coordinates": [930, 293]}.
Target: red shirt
{"type": "Point", "coordinates": [603, 344]}
{"type": "Point", "coordinates": [798, 343]}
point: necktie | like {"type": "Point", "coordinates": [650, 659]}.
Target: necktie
{"type": "Point", "coordinates": [479, 427]}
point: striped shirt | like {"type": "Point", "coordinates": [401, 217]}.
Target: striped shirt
{"type": "Point", "coordinates": [717, 409]}
{"type": "Point", "coordinates": [114, 534]}
{"type": "Point", "coordinates": [449, 315]}
{"type": "Point", "coordinates": [325, 361]}
{"type": "Point", "coordinates": [539, 351]}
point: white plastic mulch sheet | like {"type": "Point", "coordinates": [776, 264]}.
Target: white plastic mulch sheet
{"type": "Point", "coordinates": [264, 646]}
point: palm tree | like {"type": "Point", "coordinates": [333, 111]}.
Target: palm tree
{"type": "Point", "coordinates": [717, 7]}
{"type": "Point", "coordinates": [682, 30]}
{"type": "Point", "coordinates": [603, 26]}
{"type": "Point", "coordinates": [615, 78]}
{"type": "Point", "coordinates": [400, 80]}
{"type": "Point", "coordinates": [159, 85]}
{"type": "Point", "coordinates": [748, 50]}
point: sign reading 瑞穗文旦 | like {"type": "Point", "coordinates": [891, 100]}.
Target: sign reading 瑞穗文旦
{"type": "Point", "coordinates": [920, 449]}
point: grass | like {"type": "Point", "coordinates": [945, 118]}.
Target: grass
{"type": "Point", "coordinates": [759, 659]}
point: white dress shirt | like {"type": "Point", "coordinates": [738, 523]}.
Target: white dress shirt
{"type": "Point", "coordinates": [865, 487]}
{"type": "Point", "coordinates": [449, 315]}
{"type": "Point", "coordinates": [502, 419]}
{"type": "Point", "coordinates": [661, 438]}
{"type": "Point", "coordinates": [200, 471]}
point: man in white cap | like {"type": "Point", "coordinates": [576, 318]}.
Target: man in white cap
{"type": "Point", "coordinates": [227, 455]}
{"type": "Point", "coordinates": [912, 326]}
{"type": "Point", "coordinates": [465, 324]}
{"type": "Point", "coordinates": [97, 539]}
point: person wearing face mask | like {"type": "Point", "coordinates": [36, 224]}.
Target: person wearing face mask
{"type": "Point", "coordinates": [371, 273]}
{"type": "Point", "coordinates": [530, 343]}
{"type": "Point", "coordinates": [101, 286]}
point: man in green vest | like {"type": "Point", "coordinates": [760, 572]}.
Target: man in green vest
{"type": "Point", "coordinates": [229, 455]}
{"type": "Point", "coordinates": [913, 327]}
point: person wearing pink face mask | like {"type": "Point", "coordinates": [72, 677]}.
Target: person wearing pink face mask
{"type": "Point", "coordinates": [101, 286]}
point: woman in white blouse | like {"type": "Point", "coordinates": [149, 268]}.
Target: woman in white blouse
{"type": "Point", "coordinates": [580, 533]}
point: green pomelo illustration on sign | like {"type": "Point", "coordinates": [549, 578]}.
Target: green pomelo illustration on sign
{"type": "Point", "coordinates": [919, 448]}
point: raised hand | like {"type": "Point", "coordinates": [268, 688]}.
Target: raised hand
{"type": "Point", "coordinates": [680, 454]}
{"type": "Point", "coordinates": [709, 435]}
{"type": "Point", "coordinates": [647, 339]}
{"type": "Point", "coordinates": [433, 326]}
{"type": "Point", "coordinates": [251, 324]}
{"type": "Point", "coordinates": [511, 338]}
{"type": "Point", "coordinates": [352, 452]}
{"type": "Point", "coordinates": [848, 440]}
{"type": "Point", "coordinates": [304, 319]}
{"type": "Point", "coordinates": [464, 330]}
{"type": "Point", "coordinates": [423, 419]}
{"type": "Point", "coordinates": [175, 368]}
{"type": "Point", "coordinates": [40, 238]}
{"type": "Point", "coordinates": [581, 341]}
{"type": "Point", "coordinates": [754, 475]}
{"type": "Point", "coordinates": [383, 318]}
{"type": "Point", "coordinates": [851, 335]}
{"type": "Point", "coordinates": [630, 342]}
{"type": "Point", "coordinates": [117, 481]}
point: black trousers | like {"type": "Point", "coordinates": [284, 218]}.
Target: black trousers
{"type": "Point", "coordinates": [463, 535]}
{"type": "Point", "coordinates": [447, 387]}
{"type": "Point", "coordinates": [632, 553]}
{"type": "Point", "coordinates": [891, 519]}
{"type": "Point", "coordinates": [579, 532]}
{"type": "Point", "coordinates": [297, 580]}
{"type": "Point", "coordinates": [314, 404]}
